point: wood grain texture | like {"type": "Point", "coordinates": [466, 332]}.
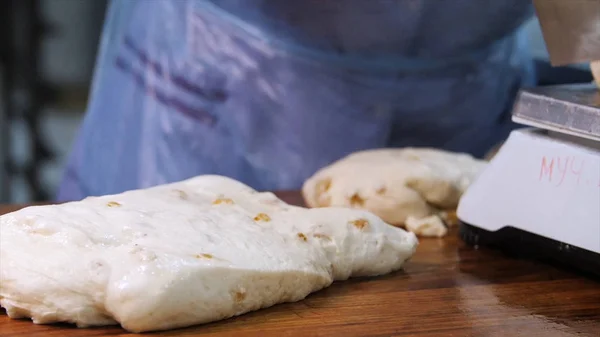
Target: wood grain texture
{"type": "Point", "coordinates": [447, 289]}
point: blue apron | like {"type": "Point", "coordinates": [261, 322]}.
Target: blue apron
{"type": "Point", "coordinates": [269, 91]}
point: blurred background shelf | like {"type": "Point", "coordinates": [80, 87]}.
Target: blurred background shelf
{"type": "Point", "coordinates": [47, 54]}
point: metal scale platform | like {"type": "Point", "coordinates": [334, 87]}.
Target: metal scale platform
{"type": "Point", "coordinates": [540, 195]}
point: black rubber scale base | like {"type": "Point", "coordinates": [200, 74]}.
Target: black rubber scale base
{"type": "Point", "coordinates": [522, 244]}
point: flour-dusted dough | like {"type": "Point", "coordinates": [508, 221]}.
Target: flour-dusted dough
{"type": "Point", "coordinates": [428, 226]}
{"type": "Point", "coordinates": [395, 183]}
{"type": "Point", "coordinates": [183, 254]}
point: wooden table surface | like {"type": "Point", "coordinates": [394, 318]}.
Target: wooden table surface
{"type": "Point", "coordinates": [447, 289]}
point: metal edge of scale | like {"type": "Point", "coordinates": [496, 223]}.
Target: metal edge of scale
{"type": "Point", "coordinates": [572, 109]}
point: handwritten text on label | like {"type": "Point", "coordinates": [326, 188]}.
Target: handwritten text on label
{"type": "Point", "coordinates": [560, 170]}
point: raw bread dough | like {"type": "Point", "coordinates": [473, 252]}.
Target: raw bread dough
{"type": "Point", "coordinates": [182, 254]}
{"type": "Point", "coordinates": [394, 183]}
{"type": "Point", "coordinates": [428, 226]}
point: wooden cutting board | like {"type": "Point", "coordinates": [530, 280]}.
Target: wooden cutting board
{"type": "Point", "coordinates": [447, 289]}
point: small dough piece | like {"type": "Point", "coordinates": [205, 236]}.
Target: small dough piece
{"type": "Point", "coordinates": [394, 183]}
{"type": "Point", "coordinates": [182, 254]}
{"type": "Point", "coordinates": [428, 226]}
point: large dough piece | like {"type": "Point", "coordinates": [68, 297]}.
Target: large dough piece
{"type": "Point", "coordinates": [183, 254]}
{"type": "Point", "coordinates": [396, 184]}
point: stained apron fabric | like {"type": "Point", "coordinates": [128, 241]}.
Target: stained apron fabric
{"type": "Point", "coordinates": [269, 91]}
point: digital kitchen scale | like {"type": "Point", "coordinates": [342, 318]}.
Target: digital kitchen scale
{"type": "Point", "coordinates": [540, 195]}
